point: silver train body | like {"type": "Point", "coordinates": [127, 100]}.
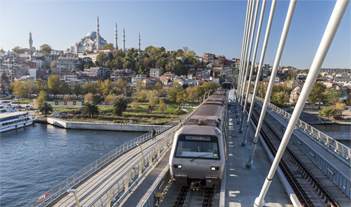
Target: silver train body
{"type": "Point", "coordinates": [198, 153]}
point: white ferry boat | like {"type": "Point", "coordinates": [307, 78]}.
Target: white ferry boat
{"type": "Point", "coordinates": [14, 120]}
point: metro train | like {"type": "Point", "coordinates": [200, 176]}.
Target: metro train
{"type": "Point", "coordinates": [198, 152]}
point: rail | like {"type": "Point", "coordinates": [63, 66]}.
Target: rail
{"type": "Point", "coordinates": [117, 191]}
{"type": "Point", "coordinates": [73, 180]}
{"type": "Point", "coordinates": [340, 150]}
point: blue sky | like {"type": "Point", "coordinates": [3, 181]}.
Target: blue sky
{"type": "Point", "coordinates": [203, 26]}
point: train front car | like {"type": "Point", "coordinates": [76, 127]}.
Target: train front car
{"type": "Point", "coordinates": [198, 153]}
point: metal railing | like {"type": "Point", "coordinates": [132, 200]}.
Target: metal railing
{"type": "Point", "coordinates": [121, 187]}
{"type": "Point", "coordinates": [73, 180]}
{"type": "Point", "coordinates": [340, 150]}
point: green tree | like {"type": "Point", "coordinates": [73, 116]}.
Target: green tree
{"type": "Point", "coordinates": [45, 108]}
{"type": "Point", "coordinates": [192, 94]}
{"type": "Point", "coordinates": [151, 107]}
{"type": "Point", "coordinates": [140, 85]}
{"type": "Point", "coordinates": [141, 95]}
{"type": "Point", "coordinates": [77, 89]}
{"type": "Point", "coordinates": [121, 85]}
{"type": "Point", "coordinates": [18, 50]}
{"type": "Point", "coordinates": [54, 84]}
{"type": "Point", "coordinates": [2, 50]}
{"type": "Point", "coordinates": [90, 110]}
{"type": "Point", "coordinates": [53, 64]}
{"type": "Point", "coordinates": [108, 46]}
{"type": "Point", "coordinates": [97, 99]}
{"type": "Point", "coordinates": [66, 88]}
{"type": "Point", "coordinates": [42, 97]}
{"type": "Point", "coordinates": [119, 106]}
{"type": "Point", "coordinates": [174, 91]}
{"type": "Point", "coordinates": [40, 85]}
{"type": "Point", "coordinates": [45, 49]}
{"type": "Point", "coordinates": [101, 58]}
{"type": "Point", "coordinates": [190, 54]}
{"type": "Point", "coordinates": [277, 99]}
{"type": "Point", "coordinates": [29, 87]}
{"type": "Point", "coordinates": [209, 86]}
{"type": "Point", "coordinates": [328, 111]}
{"type": "Point", "coordinates": [332, 95]}
{"type": "Point", "coordinates": [340, 107]}
{"type": "Point", "coordinates": [348, 100]}
{"type": "Point", "coordinates": [153, 96]}
{"type": "Point", "coordinates": [181, 97]}
{"type": "Point", "coordinates": [134, 105]}
{"type": "Point", "coordinates": [18, 89]}
{"type": "Point", "coordinates": [317, 93]}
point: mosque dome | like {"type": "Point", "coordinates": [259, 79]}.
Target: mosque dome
{"type": "Point", "coordinates": [85, 44]}
{"type": "Point", "coordinates": [91, 34]}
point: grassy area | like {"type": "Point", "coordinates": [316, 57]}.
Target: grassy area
{"type": "Point", "coordinates": [138, 116]}
{"type": "Point", "coordinates": [23, 102]}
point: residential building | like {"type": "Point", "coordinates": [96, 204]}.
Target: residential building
{"type": "Point", "coordinates": [155, 72]}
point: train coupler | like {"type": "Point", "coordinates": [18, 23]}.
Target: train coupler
{"type": "Point", "coordinates": [195, 186]}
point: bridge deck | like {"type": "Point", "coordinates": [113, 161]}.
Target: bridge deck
{"type": "Point", "coordinates": [90, 189]}
{"type": "Point", "coordinates": [243, 185]}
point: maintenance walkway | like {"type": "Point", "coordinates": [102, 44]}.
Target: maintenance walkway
{"type": "Point", "coordinates": [87, 191]}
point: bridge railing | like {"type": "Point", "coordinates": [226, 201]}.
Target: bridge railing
{"type": "Point", "coordinates": [73, 180]}
{"type": "Point", "coordinates": [340, 150]}
{"type": "Point", "coordinates": [117, 191]}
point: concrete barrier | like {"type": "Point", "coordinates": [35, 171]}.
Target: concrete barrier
{"type": "Point", "coordinates": [102, 126]}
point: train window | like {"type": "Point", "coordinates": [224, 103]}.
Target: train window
{"type": "Point", "coordinates": [197, 146]}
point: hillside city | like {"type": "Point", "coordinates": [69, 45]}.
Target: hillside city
{"type": "Point", "coordinates": [98, 72]}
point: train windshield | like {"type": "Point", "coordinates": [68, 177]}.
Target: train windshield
{"type": "Point", "coordinates": [200, 147]}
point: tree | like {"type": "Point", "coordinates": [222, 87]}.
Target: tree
{"type": "Point", "coordinates": [54, 84]}
{"type": "Point", "coordinates": [140, 85]}
{"type": "Point", "coordinates": [181, 97]}
{"type": "Point", "coordinates": [174, 91]}
{"type": "Point", "coordinates": [40, 85]}
{"type": "Point", "coordinates": [108, 46]}
{"type": "Point", "coordinates": [158, 86]}
{"type": "Point", "coordinates": [317, 93]}
{"type": "Point", "coordinates": [328, 111]}
{"type": "Point", "coordinates": [348, 100]}
{"type": "Point", "coordinates": [110, 99]}
{"type": "Point", "coordinates": [29, 87]}
{"type": "Point", "coordinates": [45, 49]}
{"type": "Point", "coordinates": [332, 95]}
{"type": "Point", "coordinates": [135, 105]}
{"type": "Point", "coordinates": [18, 50]}
{"type": "Point", "coordinates": [121, 85]}
{"type": "Point", "coordinates": [53, 64]}
{"type": "Point", "coordinates": [2, 50]}
{"type": "Point", "coordinates": [340, 108]}
{"type": "Point", "coordinates": [65, 88]}
{"type": "Point", "coordinates": [119, 106]}
{"type": "Point", "coordinates": [77, 89]}
{"type": "Point", "coordinates": [162, 106]}
{"type": "Point", "coordinates": [67, 97]}
{"type": "Point", "coordinates": [105, 88]}
{"type": "Point", "coordinates": [90, 110]}
{"type": "Point", "coordinates": [88, 98]}
{"type": "Point", "coordinates": [141, 95]}
{"type": "Point", "coordinates": [42, 97]}
{"type": "Point", "coordinates": [151, 107]}
{"type": "Point", "coordinates": [185, 49]}
{"type": "Point", "coordinates": [18, 89]}
{"type": "Point", "coordinates": [97, 99]}
{"type": "Point", "coordinates": [190, 54]}
{"type": "Point", "coordinates": [277, 99]}
{"type": "Point", "coordinates": [153, 96]}
{"type": "Point", "coordinates": [45, 108]}
{"type": "Point", "coordinates": [209, 86]}
{"type": "Point", "coordinates": [101, 58]}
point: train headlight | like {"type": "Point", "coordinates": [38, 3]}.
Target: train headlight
{"type": "Point", "coordinates": [213, 168]}
{"type": "Point", "coordinates": [178, 166]}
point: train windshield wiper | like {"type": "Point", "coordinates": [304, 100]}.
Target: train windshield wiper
{"type": "Point", "coordinates": [199, 156]}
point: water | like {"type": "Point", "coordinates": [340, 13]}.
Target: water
{"type": "Point", "coordinates": [336, 128]}
{"type": "Point", "coordinates": [36, 158]}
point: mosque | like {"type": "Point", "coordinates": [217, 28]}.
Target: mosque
{"type": "Point", "coordinates": [93, 41]}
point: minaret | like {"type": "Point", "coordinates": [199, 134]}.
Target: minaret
{"type": "Point", "coordinates": [116, 45]}
{"type": "Point", "coordinates": [124, 41]}
{"type": "Point", "coordinates": [97, 34]}
{"type": "Point", "coordinates": [30, 40]}
{"type": "Point", "coordinates": [139, 42]}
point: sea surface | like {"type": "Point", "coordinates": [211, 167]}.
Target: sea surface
{"type": "Point", "coordinates": [36, 158]}
{"type": "Point", "coordinates": [336, 128]}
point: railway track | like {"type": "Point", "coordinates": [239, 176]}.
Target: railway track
{"type": "Point", "coordinates": [307, 188]}
{"type": "Point", "coordinates": [183, 196]}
